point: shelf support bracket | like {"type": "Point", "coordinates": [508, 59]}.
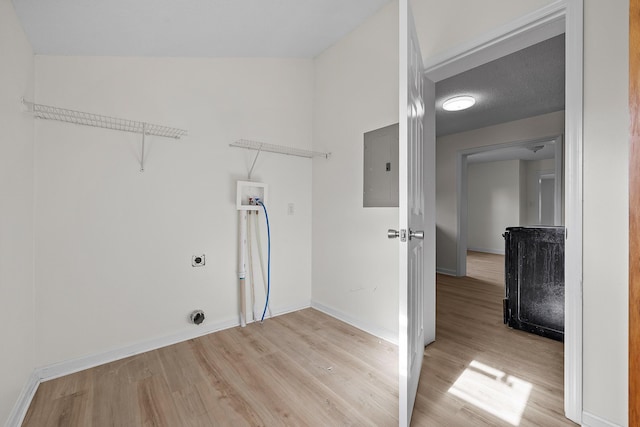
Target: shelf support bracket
{"type": "Point", "coordinates": [255, 159]}
{"type": "Point", "coordinates": [144, 132]}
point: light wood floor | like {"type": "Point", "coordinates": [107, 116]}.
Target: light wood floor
{"type": "Point", "coordinates": [299, 369]}
{"type": "Point", "coordinates": [469, 328]}
{"type": "Point", "coordinates": [308, 369]}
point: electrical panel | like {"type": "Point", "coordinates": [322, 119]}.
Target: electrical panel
{"type": "Point", "coordinates": [381, 188]}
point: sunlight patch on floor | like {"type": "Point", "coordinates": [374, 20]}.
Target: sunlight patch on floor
{"type": "Point", "coordinates": [493, 391]}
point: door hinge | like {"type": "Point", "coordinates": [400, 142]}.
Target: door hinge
{"type": "Point", "coordinates": [403, 235]}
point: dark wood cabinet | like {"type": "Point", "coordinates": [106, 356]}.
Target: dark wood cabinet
{"type": "Point", "coordinates": [534, 280]}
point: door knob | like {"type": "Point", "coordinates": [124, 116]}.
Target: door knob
{"type": "Point", "coordinates": [392, 234]}
{"type": "Point", "coordinates": [416, 234]}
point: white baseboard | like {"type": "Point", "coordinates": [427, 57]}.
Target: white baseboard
{"type": "Point", "coordinates": [590, 420]}
{"type": "Point", "coordinates": [381, 333]}
{"type": "Point", "coordinates": [446, 271]}
{"type": "Point", "coordinates": [81, 363]}
{"type": "Point", "coordinates": [71, 366]}
{"type": "Point", "coordinates": [486, 250]}
{"type": "Point", "coordinates": [16, 417]}
{"type": "Point", "coordinates": [291, 309]}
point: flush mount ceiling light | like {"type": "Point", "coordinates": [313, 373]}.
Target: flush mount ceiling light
{"type": "Point", "coordinates": [458, 103]}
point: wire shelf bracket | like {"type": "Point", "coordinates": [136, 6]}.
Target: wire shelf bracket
{"type": "Point", "coordinates": [272, 148]}
{"type": "Point", "coordinates": [49, 112]}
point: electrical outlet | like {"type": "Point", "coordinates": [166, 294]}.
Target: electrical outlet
{"type": "Point", "coordinates": [197, 260]}
{"type": "Point", "coordinates": [291, 208]}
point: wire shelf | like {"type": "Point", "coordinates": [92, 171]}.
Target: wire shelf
{"type": "Point", "coordinates": [49, 112]}
{"type": "Point", "coordinates": [280, 149]}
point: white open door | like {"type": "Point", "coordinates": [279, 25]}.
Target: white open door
{"type": "Point", "coordinates": [417, 215]}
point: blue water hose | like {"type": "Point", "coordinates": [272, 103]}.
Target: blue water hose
{"type": "Point", "coordinates": [266, 215]}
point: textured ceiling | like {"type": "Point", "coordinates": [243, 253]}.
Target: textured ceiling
{"type": "Point", "coordinates": [523, 84]}
{"type": "Point", "coordinates": [193, 28]}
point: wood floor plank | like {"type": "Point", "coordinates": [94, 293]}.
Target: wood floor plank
{"type": "Point", "coordinates": [191, 408]}
{"type": "Point", "coordinates": [69, 410]}
{"type": "Point", "coordinates": [360, 385]}
{"type": "Point", "coordinates": [155, 403]}
{"type": "Point", "coordinates": [233, 392]}
{"type": "Point", "coordinates": [180, 366]}
{"type": "Point", "coordinates": [114, 389]}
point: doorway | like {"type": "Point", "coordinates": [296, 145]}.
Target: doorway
{"type": "Point", "coordinates": [529, 161]}
{"type": "Point", "coordinates": [540, 26]}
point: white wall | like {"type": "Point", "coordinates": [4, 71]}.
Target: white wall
{"type": "Point", "coordinates": [606, 159]}
{"type": "Point", "coordinates": [493, 203]}
{"type": "Point", "coordinates": [444, 26]}
{"type": "Point", "coordinates": [16, 211]}
{"type": "Point", "coordinates": [447, 148]}
{"type": "Point", "coordinates": [499, 195]}
{"type": "Point", "coordinates": [114, 245]}
{"type": "Point", "coordinates": [355, 266]}
{"type": "Point", "coordinates": [531, 196]}
{"type": "Point", "coordinates": [523, 192]}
